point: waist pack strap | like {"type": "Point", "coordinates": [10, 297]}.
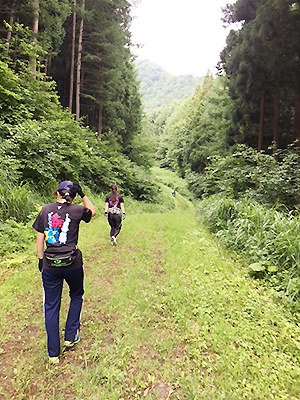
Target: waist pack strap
{"type": "Point", "coordinates": [64, 261]}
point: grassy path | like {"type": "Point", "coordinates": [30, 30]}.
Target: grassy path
{"type": "Point", "coordinates": [166, 315]}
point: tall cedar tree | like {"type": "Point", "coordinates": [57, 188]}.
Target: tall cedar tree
{"type": "Point", "coordinates": [262, 60]}
{"type": "Point", "coordinates": [44, 18]}
{"type": "Point", "coordinates": [109, 94]}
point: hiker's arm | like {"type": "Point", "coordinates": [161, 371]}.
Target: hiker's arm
{"type": "Point", "coordinates": [88, 204]}
{"type": "Point", "coordinates": [106, 207]}
{"type": "Point", "coordinates": [40, 245]}
{"type": "Point", "coordinates": [122, 208]}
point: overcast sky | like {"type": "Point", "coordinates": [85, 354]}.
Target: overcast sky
{"type": "Point", "coordinates": [181, 36]}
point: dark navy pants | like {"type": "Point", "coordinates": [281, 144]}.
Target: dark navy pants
{"type": "Point", "coordinates": [53, 283]}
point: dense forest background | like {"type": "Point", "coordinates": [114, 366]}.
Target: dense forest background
{"type": "Point", "coordinates": [73, 107]}
{"type": "Point", "coordinates": [239, 131]}
{"type": "Point", "coordinates": [70, 102]}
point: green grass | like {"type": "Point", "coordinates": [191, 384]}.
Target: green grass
{"type": "Point", "coordinates": [266, 238]}
{"type": "Point", "coordinates": [164, 306]}
{"type": "Point", "coordinates": [168, 178]}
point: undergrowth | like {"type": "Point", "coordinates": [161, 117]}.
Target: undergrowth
{"type": "Point", "coordinates": [267, 238]}
{"type": "Point", "coordinates": [164, 308]}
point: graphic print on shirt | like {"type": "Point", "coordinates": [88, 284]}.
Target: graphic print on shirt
{"type": "Point", "coordinates": [57, 229]}
{"type": "Point", "coordinates": [115, 203]}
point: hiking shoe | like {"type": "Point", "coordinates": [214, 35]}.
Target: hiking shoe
{"type": "Point", "coordinates": [115, 241]}
{"type": "Point", "coordinates": [69, 344]}
{"type": "Point", "coordinates": [112, 240]}
{"type": "Point", "coordinates": [53, 360]}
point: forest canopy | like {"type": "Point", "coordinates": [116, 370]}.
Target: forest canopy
{"type": "Point", "coordinates": [69, 98]}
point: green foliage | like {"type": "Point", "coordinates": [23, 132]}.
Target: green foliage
{"type": "Point", "coordinates": [17, 200]}
{"type": "Point", "coordinates": [158, 88]}
{"type": "Point", "coordinates": [172, 311]}
{"type": "Point", "coordinates": [170, 179]}
{"type": "Point", "coordinates": [15, 237]}
{"type": "Point", "coordinates": [23, 98]}
{"type": "Point", "coordinates": [253, 174]}
{"type": "Point", "coordinates": [134, 180]}
{"type": "Point", "coordinates": [51, 151]}
{"type": "Point", "coordinates": [266, 238]}
{"type": "Point", "coordinates": [163, 203]}
{"type": "Point", "coordinates": [256, 59]}
{"type": "Point", "coordinates": [192, 130]}
{"type": "Point", "coordinates": [109, 93]}
{"type": "Point", "coordinates": [43, 144]}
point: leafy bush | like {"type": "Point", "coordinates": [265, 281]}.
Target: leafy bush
{"type": "Point", "coordinates": [267, 238]}
{"type": "Point", "coordinates": [17, 200]}
{"type": "Point", "coordinates": [15, 237]}
{"type": "Point", "coordinates": [255, 174]}
{"type": "Point", "coordinates": [47, 152]}
{"type": "Point", "coordinates": [44, 144]}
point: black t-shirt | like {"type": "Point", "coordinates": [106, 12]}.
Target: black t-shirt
{"type": "Point", "coordinates": [116, 203]}
{"type": "Point", "coordinates": [60, 224]}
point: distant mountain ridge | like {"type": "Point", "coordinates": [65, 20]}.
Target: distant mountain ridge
{"type": "Point", "coordinates": [159, 88]}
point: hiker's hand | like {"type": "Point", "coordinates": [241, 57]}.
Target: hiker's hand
{"type": "Point", "coordinates": [123, 216]}
{"type": "Point", "coordinates": [78, 189]}
{"type": "Point", "coordinates": [40, 264]}
{"type": "Point", "coordinates": [106, 215]}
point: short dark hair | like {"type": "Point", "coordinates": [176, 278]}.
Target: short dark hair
{"type": "Point", "coordinates": [68, 194]}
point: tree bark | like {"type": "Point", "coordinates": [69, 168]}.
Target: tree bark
{"type": "Point", "coordinates": [72, 59]}
{"type": "Point", "coordinates": [11, 21]}
{"type": "Point", "coordinates": [261, 121]}
{"type": "Point", "coordinates": [276, 116]}
{"type": "Point", "coordinates": [79, 63]}
{"type": "Point", "coordinates": [296, 124]}
{"type": "Point", "coordinates": [35, 31]}
{"type": "Point", "coordinates": [100, 120]}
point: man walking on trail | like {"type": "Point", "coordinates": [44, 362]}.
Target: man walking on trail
{"type": "Point", "coordinates": [57, 225]}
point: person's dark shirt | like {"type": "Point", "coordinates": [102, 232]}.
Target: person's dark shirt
{"type": "Point", "coordinates": [60, 224]}
{"type": "Point", "coordinates": [116, 203]}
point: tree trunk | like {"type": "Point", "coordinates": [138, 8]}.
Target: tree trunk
{"type": "Point", "coordinates": [100, 120]}
{"type": "Point", "coordinates": [276, 116]}
{"type": "Point", "coordinates": [46, 67]}
{"type": "Point", "coordinates": [296, 124]}
{"type": "Point", "coordinates": [79, 63]}
{"type": "Point", "coordinates": [261, 121]}
{"type": "Point", "coordinates": [35, 30]}
{"type": "Point", "coordinates": [11, 21]}
{"type": "Point", "coordinates": [72, 59]}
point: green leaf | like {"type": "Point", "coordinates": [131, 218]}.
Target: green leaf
{"type": "Point", "coordinates": [257, 267]}
{"type": "Point", "coordinates": [272, 268]}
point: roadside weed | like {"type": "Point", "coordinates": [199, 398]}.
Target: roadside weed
{"type": "Point", "coordinates": [266, 238]}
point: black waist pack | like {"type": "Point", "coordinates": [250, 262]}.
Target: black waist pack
{"type": "Point", "coordinates": [64, 261]}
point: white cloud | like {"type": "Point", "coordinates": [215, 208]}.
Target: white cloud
{"type": "Point", "coordinates": [182, 36]}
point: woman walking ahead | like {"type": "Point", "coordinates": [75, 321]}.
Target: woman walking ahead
{"type": "Point", "coordinates": [114, 212]}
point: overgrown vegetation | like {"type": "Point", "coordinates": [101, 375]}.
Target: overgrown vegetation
{"type": "Point", "coordinates": [171, 307]}
{"type": "Point", "coordinates": [267, 238]}
{"type": "Point", "coordinates": [255, 175]}
{"type": "Point", "coordinates": [40, 142]}
{"type": "Point", "coordinates": [236, 140]}
{"type": "Point", "coordinates": [166, 309]}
